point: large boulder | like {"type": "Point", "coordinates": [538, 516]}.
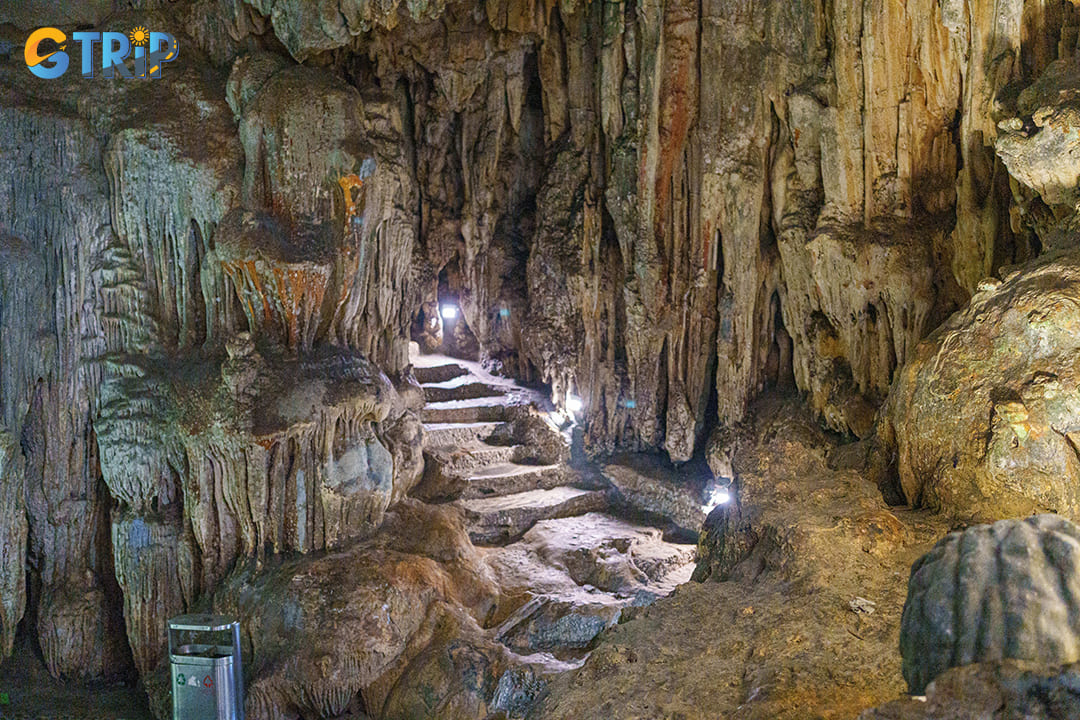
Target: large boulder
{"type": "Point", "coordinates": [1007, 590]}
{"type": "Point", "coordinates": [983, 420]}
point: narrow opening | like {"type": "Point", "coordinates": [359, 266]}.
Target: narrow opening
{"type": "Point", "coordinates": [458, 339]}
{"type": "Point", "coordinates": [115, 628]}
{"type": "Point", "coordinates": [779, 373]}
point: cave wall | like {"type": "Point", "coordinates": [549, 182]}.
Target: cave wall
{"type": "Point", "coordinates": [710, 197]}
{"type": "Point", "coordinates": [198, 282]}
{"type": "Point", "coordinates": [662, 207]}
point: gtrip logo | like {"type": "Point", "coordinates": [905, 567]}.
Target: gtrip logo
{"type": "Point", "coordinates": [149, 50]}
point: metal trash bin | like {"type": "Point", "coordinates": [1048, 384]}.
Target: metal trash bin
{"type": "Point", "coordinates": [207, 676]}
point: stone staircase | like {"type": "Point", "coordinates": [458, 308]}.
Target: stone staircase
{"type": "Point", "coordinates": [551, 529]}
{"type": "Point", "coordinates": [501, 484]}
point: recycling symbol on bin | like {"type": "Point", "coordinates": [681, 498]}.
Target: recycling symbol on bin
{"type": "Point", "coordinates": [181, 680]}
{"type": "Point", "coordinates": [208, 681]}
{"type": "Point", "coordinates": [193, 681]}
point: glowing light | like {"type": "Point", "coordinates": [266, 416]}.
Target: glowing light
{"type": "Point", "coordinates": [719, 495]}
{"type": "Point", "coordinates": [574, 403]}
{"type": "Point", "coordinates": [448, 312]}
{"type": "Point", "coordinates": [504, 312]}
{"type": "Point", "coordinates": [631, 404]}
{"type": "Point", "coordinates": [558, 419]}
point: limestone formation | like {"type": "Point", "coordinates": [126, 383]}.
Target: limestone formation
{"type": "Point", "coordinates": [666, 239]}
{"type": "Point", "coordinates": [1039, 144]}
{"type": "Point", "coordinates": [682, 497]}
{"type": "Point", "coordinates": [366, 615]}
{"type": "Point", "coordinates": [333, 263]}
{"type": "Point", "coordinates": [993, 592]}
{"type": "Point", "coordinates": [992, 691]}
{"type": "Point", "coordinates": [12, 542]}
{"type": "Point", "coordinates": [56, 223]}
{"type": "Point", "coordinates": [209, 283]}
{"type": "Point", "coordinates": [270, 454]}
{"type": "Point", "coordinates": [980, 419]}
{"type": "Point", "coordinates": [772, 633]}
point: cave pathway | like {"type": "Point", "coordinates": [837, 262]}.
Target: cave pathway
{"type": "Point", "coordinates": [568, 554]}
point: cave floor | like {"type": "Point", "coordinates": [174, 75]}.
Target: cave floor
{"type": "Point", "coordinates": [31, 694]}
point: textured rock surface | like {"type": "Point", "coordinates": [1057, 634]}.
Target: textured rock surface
{"type": "Point", "coordinates": [13, 541]}
{"type": "Point", "coordinates": [567, 580]}
{"type": "Point", "coordinates": [782, 635]}
{"type": "Point", "coordinates": [56, 222]}
{"type": "Point", "coordinates": [679, 496]}
{"type": "Point", "coordinates": [803, 214]}
{"type": "Point", "coordinates": [981, 418]}
{"type": "Point", "coordinates": [565, 568]}
{"type": "Point", "coordinates": [992, 691]}
{"type": "Point", "coordinates": [1040, 144]}
{"type": "Point", "coordinates": [277, 455]}
{"type": "Point", "coordinates": [377, 619]}
{"type": "Point", "coordinates": [993, 592]}
{"type": "Point", "coordinates": [129, 300]}
{"type": "Point", "coordinates": [661, 208]}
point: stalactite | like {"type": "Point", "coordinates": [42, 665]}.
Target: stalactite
{"type": "Point", "coordinates": [195, 311]}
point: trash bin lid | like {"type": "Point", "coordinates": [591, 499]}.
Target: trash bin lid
{"type": "Point", "coordinates": [205, 623]}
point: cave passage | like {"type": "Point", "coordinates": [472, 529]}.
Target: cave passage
{"type": "Point", "coordinates": [529, 360]}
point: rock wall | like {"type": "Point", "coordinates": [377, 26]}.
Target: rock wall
{"type": "Point", "coordinates": [188, 302]}
{"type": "Point", "coordinates": [56, 218]}
{"type": "Point", "coordinates": [661, 207]}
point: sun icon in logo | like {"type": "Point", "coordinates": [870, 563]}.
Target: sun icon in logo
{"type": "Point", "coordinates": [139, 36]}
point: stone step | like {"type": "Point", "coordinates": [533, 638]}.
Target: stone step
{"type": "Point", "coordinates": [438, 373]}
{"type": "Point", "coordinates": [463, 411]}
{"type": "Point", "coordinates": [503, 519]}
{"type": "Point", "coordinates": [681, 496]}
{"type": "Point", "coordinates": [550, 623]}
{"type": "Point", "coordinates": [441, 392]}
{"type": "Point", "coordinates": [589, 535]}
{"type": "Point", "coordinates": [458, 433]}
{"type": "Point", "coordinates": [510, 478]}
{"type": "Point", "coordinates": [473, 456]}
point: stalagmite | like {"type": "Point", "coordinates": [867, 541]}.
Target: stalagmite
{"type": "Point", "coordinates": [13, 541]}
